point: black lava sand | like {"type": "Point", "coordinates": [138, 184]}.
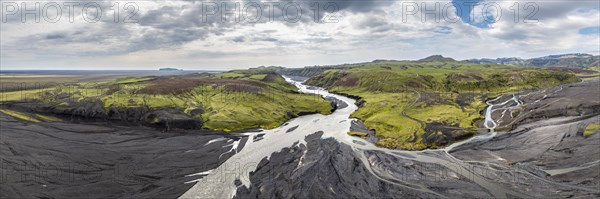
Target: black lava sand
{"type": "Point", "coordinates": [59, 160]}
{"type": "Point", "coordinates": [546, 156]}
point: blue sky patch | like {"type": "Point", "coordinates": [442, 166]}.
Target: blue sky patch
{"type": "Point", "coordinates": [463, 10]}
{"type": "Point", "coordinates": [592, 30]}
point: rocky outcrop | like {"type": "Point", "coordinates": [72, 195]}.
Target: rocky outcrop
{"type": "Point", "coordinates": [439, 134]}
{"type": "Point", "coordinates": [358, 126]}
{"type": "Point", "coordinates": [170, 118]}
{"type": "Point", "coordinates": [336, 103]}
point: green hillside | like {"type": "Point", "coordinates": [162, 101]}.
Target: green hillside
{"type": "Point", "coordinates": [428, 104]}
{"type": "Point", "coordinates": [227, 101]}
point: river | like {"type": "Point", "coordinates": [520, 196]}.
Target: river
{"type": "Point", "coordinates": [220, 182]}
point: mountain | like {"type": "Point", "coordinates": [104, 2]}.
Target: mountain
{"type": "Point", "coordinates": [436, 58]}
{"type": "Point", "coordinates": [169, 69]}
{"type": "Point", "coordinates": [578, 60]}
{"type": "Point", "coordinates": [574, 60]}
{"type": "Point", "coordinates": [569, 55]}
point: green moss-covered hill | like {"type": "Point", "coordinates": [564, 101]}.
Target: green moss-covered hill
{"type": "Point", "coordinates": [415, 105]}
{"type": "Point", "coordinates": [228, 101]}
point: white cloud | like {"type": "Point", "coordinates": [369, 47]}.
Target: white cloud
{"type": "Point", "coordinates": [174, 34]}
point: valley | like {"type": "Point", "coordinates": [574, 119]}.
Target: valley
{"type": "Point", "coordinates": [385, 129]}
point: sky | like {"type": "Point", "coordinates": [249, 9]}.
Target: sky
{"type": "Point", "coordinates": [115, 35]}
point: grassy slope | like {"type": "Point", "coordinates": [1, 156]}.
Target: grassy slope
{"type": "Point", "coordinates": [399, 99]}
{"type": "Point", "coordinates": [19, 115]}
{"type": "Point", "coordinates": [227, 101]}
{"type": "Point", "coordinates": [30, 117]}
{"type": "Point", "coordinates": [591, 129]}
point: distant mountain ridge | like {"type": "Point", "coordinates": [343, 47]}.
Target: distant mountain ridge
{"type": "Point", "coordinates": [570, 60]}
{"type": "Point", "coordinates": [574, 60]}
{"type": "Point", "coordinates": [438, 58]}
{"type": "Point", "coordinates": [169, 69]}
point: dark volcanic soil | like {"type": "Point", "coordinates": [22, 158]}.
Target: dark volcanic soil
{"type": "Point", "coordinates": [326, 168]}
{"type": "Point", "coordinates": [541, 158]}
{"type": "Point", "coordinates": [60, 160]}
{"type": "Point", "coordinates": [549, 136]}
{"type": "Point", "coordinates": [323, 171]}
